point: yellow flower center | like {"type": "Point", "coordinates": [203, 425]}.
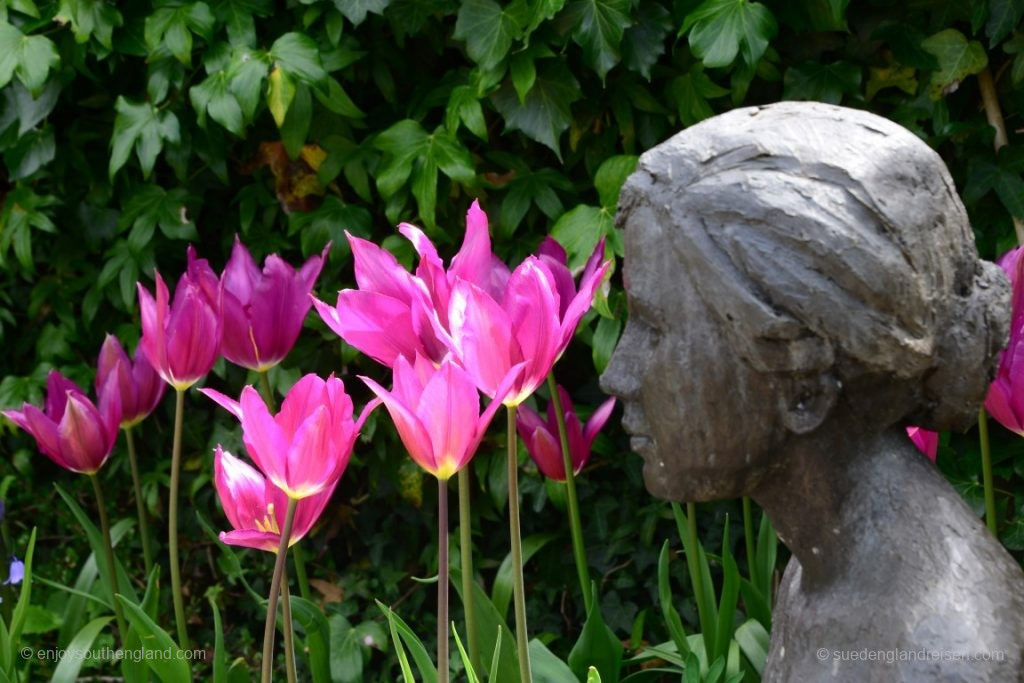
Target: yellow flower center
{"type": "Point", "coordinates": [269, 522]}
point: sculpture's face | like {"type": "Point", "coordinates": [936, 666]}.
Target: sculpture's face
{"type": "Point", "coordinates": [704, 422]}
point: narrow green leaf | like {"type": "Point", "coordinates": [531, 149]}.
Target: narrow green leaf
{"type": "Point", "coordinates": [597, 645]}
{"type": "Point", "coordinates": [754, 641]}
{"type": "Point", "coordinates": [547, 667]}
{"type": "Point", "coordinates": [466, 663]}
{"type": "Point", "coordinates": [68, 668]}
{"type": "Point", "coordinates": [428, 672]}
{"type": "Point", "coordinates": [501, 592]}
{"type": "Point", "coordinates": [154, 639]}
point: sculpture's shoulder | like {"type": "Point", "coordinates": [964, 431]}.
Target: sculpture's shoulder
{"type": "Point", "coordinates": [961, 621]}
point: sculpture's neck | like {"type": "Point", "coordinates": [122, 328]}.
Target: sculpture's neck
{"type": "Point", "coordinates": [848, 492]}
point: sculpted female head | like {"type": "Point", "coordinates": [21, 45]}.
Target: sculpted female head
{"type": "Point", "coordinates": [787, 265]}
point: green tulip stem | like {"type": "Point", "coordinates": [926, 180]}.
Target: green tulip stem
{"type": "Point", "coordinates": [268, 393]}
{"type": "Point", "coordinates": [576, 528]}
{"type": "Point", "coordinates": [986, 473]}
{"type": "Point", "coordinates": [275, 585]}
{"type": "Point", "coordinates": [108, 549]}
{"type": "Point", "coordinates": [286, 613]}
{"type": "Point", "coordinates": [748, 536]}
{"type": "Point", "coordinates": [466, 556]}
{"type": "Point", "coordinates": [442, 581]}
{"type": "Point", "coordinates": [519, 591]}
{"type": "Point", "coordinates": [172, 521]}
{"type": "Point", "coordinates": [140, 504]}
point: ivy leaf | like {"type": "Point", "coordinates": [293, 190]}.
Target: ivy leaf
{"type": "Point", "coordinates": [599, 26]}
{"type": "Point", "coordinates": [30, 153]}
{"type": "Point", "coordinates": [299, 58]}
{"type": "Point", "coordinates": [238, 15]}
{"type": "Point", "coordinates": [21, 212]}
{"type": "Point", "coordinates": [488, 30]}
{"type": "Point", "coordinates": [356, 10]}
{"type": "Point", "coordinates": [464, 107]}
{"type": "Point", "coordinates": [90, 18]}
{"type": "Point", "coordinates": [894, 76]}
{"type": "Point", "coordinates": [338, 101]}
{"type": "Point", "coordinates": [905, 42]}
{"type": "Point", "coordinates": [537, 187]}
{"type": "Point", "coordinates": [143, 127]}
{"type": "Point", "coordinates": [30, 57]}
{"type": "Point", "coordinates": [524, 73]}
{"type": "Point", "coordinates": [150, 207]}
{"type": "Point", "coordinates": [721, 28]}
{"type": "Point", "coordinates": [821, 82]}
{"type": "Point", "coordinates": [280, 93]}
{"type": "Point", "coordinates": [958, 58]}
{"type": "Point", "coordinates": [545, 114]}
{"type": "Point", "coordinates": [1003, 16]}
{"type": "Point", "coordinates": [1015, 46]}
{"type": "Point", "coordinates": [411, 151]}
{"type": "Point", "coordinates": [172, 28]}
{"type": "Point", "coordinates": [644, 41]}
{"type": "Point", "coordinates": [1004, 178]}
{"type": "Point", "coordinates": [246, 81]}
{"type": "Point", "coordinates": [214, 95]}
{"type": "Point", "coordinates": [691, 92]}
{"type": "Point", "coordinates": [610, 176]}
{"type": "Point", "coordinates": [579, 229]}
{"type": "Point", "coordinates": [29, 110]}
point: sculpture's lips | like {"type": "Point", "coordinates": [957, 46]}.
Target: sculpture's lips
{"type": "Point", "coordinates": [639, 443]}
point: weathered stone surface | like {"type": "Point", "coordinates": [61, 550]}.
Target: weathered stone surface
{"type": "Point", "coordinates": [802, 284]}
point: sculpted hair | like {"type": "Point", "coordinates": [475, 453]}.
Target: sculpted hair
{"type": "Point", "coordinates": [831, 241]}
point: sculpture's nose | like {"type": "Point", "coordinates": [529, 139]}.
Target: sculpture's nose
{"type": "Point", "coordinates": [621, 378]}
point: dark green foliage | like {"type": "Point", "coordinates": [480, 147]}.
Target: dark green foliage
{"type": "Point", "coordinates": [128, 130]}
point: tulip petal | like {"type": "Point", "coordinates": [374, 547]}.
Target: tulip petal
{"type": "Point", "coordinates": [597, 420]}
{"type": "Point", "coordinates": [312, 460]}
{"type": "Point", "coordinates": [250, 538]}
{"type": "Point", "coordinates": [547, 454]}
{"type": "Point", "coordinates": [226, 402]}
{"type": "Point", "coordinates": [414, 436]}
{"type": "Point", "coordinates": [377, 270]}
{"type": "Point", "coordinates": [83, 439]}
{"type": "Point", "coordinates": [302, 400]}
{"type": "Point", "coordinates": [482, 336]}
{"type": "Point", "coordinates": [449, 408]}
{"type": "Point", "coordinates": [264, 439]}
{"type": "Point", "coordinates": [581, 304]}
{"type": "Point", "coordinates": [241, 490]}
{"type": "Point", "coordinates": [378, 325]}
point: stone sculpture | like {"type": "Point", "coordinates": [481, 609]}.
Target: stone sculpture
{"type": "Point", "coordinates": [803, 283]}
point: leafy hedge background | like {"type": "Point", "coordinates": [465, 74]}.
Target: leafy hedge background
{"type": "Point", "coordinates": [131, 129]}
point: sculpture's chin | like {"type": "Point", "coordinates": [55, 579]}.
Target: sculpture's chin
{"type": "Point", "coordinates": [692, 485]}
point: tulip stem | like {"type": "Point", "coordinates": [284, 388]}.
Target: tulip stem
{"type": "Point", "coordinates": [140, 504]}
{"type": "Point", "coordinates": [748, 537]}
{"type": "Point", "coordinates": [575, 526]}
{"type": "Point", "coordinates": [442, 581]}
{"type": "Point", "coordinates": [986, 473]}
{"type": "Point", "coordinates": [275, 585]}
{"type": "Point", "coordinates": [108, 550]}
{"type": "Point", "coordinates": [172, 521]}
{"type": "Point", "coordinates": [519, 591]}
{"type": "Point", "coordinates": [268, 392]}
{"type": "Point", "coordinates": [466, 555]}
{"type": "Point", "coordinates": [286, 613]}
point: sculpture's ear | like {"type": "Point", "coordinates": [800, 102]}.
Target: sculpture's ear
{"type": "Point", "coordinates": [806, 400]}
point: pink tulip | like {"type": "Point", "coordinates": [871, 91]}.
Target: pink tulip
{"type": "Point", "coordinates": [136, 383]}
{"type": "Point", "coordinates": [542, 440]}
{"type": "Point", "coordinates": [394, 313]}
{"type": "Point", "coordinates": [1005, 399]}
{"type": "Point", "coordinates": [264, 310]}
{"type": "Point", "coordinates": [256, 508]}
{"type": "Point", "coordinates": [303, 449]}
{"type": "Point", "coordinates": [437, 412]}
{"type": "Point", "coordinates": [73, 432]}
{"type": "Point", "coordinates": [926, 441]}
{"type": "Point", "coordinates": [571, 301]}
{"type": "Point", "coordinates": [182, 341]}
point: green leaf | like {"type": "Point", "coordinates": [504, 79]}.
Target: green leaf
{"type": "Point", "coordinates": [172, 28]}
{"type": "Point", "coordinates": [150, 207]}
{"type": "Point", "coordinates": [464, 656]}
{"type": "Point", "coordinates": [214, 95]}
{"type": "Point", "coordinates": [668, 611]}
{"type": "Point", "coordinates": [238, 17]}
{"type": "Point", "coordinates": [719, 29]}
{"type": "Point", "coordinates": [338, 101]}
{"type": "Point", "coordinates": [24, 598]}
{"type": "Point", "coordinates": [597, 645]}
{"type": "Point", "coordinates": [606, 336]}
{"type": "Point", "coordinates": [154, 639]}
{"type": "Point", "coordinates": [580, 229]}
{"type": "Point", "coordinates": [280, 93]}
{"type": "Point", "coordinates": [428, 672]}
{"type": "Point", "coordinates": [220, 655]}
{"type": "Point", "coordinates": [1003, 17]}
{"type": "Point", "coordinates": [28, 57]}
{"type": "Point", "coordinates": [143, 127]}
{"type": "Point", "coordinates": [691, 92]}
{"type": "Point", "coordinates": [728, 598]}
{"type": "Point", "coordinates": [958, 58]}
{"type": "Point", "coordinates": [598, 29]}
{"type": "Point", "coordinates": [90, 18]}
{"type": "Point", "coordinates": [464, 107]}
{"type": "Point", "coordinates": [545, 114]}
{"type": "Point", "coordinates": [644, 42]}
{"type": "Point", "coordinates": [30, 153]}
{"type": "Point", "coordinates": [298, 56]}
{"type": "Point", "coordinates": [905, 42]}
{"type": "Point", "coordinates": [984, 176]}
{"type": "Point", "coordinates": [548, 668]}
{"type": "Point", "coordinates": [754, 641]}
{"type": "Point", "coordinates": [610, 176]}
{"type": "Point", "coordinates": [313, 626]}
{"type": "Point", "coordinates": [68, 668]}
{"type": "Point", "coordinates": [501, 591]}
{"type": "Point", "coordinates": [356, 10]}
{"type": "Point", "coordinates": [488, 29]}
{"type": "Point", "coordinates": [490, 630]}
{"type": "Point", "coordinates": [821, 82]}
{"type": "Point", "coordinates": [894, 76]}
{"type": "Point", "coordinates": [296, 123]}
{"type": "Point", "coordinates": [346, 651]}
{"type": "Point", "coordinates": [593, 676]}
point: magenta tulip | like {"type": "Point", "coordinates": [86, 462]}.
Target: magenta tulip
{"type": "Point", "coordinates": [73, 432]}
{"type": "Point", "coordinates": [256, 508]}
{"type": "Point", "coordinates": [303, 449]}
{"type": "Point", "coordinates": [136, 383]}
{"type": "Point", "coordinates": [182, 341]}
{"type": "Point", "coordinates": [264, 310]}
{"type": "Point", "coordinates": [570, 301]}
{"type": "Point", "coordinates": [436, 411]}
{"type": "Point", "coordinates": [1005, 399]}
{"type": "Point", "coordinates": [926, 441]}
{"type": "Point", "coordinates": [394, 313]}
{"type": "Point", "coordinates": [541, 438]}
